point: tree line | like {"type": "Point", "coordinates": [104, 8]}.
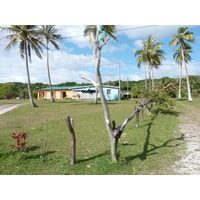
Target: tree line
{"type": "Point", "coordinates": [17, 89]}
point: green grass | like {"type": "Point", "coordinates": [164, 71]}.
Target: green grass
{"type": "Point", "coordinates": [152, 147]}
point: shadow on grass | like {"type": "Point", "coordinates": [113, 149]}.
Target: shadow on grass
{"type": "Point", "coordinates": [148, 152]}
{"type": "Point", "coordinates": [6, 155]}
{"type": "Point", "coordinates": [38, 155]}
{"type": "Point", "coordinates": [31, 148]}
{"type": "Point", "coordinates": [181, 99]}
{"type": "Point", "coordinates": [34, 148]}
{"type": "Point", "coordinates": [169, 112]}
{"type": "Point", "coordinates": [93, 157]}
{"type": "Point", "coordinates": [27, 154]}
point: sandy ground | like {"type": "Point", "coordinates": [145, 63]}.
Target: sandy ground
{"type": "Point", "coordinates": [190, 129]}
{"type": "Point", "coordinates": [7, 107]}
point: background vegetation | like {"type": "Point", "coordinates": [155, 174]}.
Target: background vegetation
{"type": "Point", "coordinates": [18, 89]}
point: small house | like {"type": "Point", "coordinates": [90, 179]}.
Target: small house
{"type": "Point", "coordinates": [78, 92]}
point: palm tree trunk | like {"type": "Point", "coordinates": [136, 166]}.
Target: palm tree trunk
{"type": "Point", "coordinates": [149, 77]}
{"type": "Point", "coordinates": [28, 76]}
{"type": "Point", "coordinates": [187, 77]}
{"type": "Point", "coordinates": [180, 79]}
{"type": "Point", "coordinates": [145, 74]}
{"type": "Point", "coordinates": [153, 83]}
{"type": "Point", "coordinates": [188, 84]}
{"type": "Point", "coordinates": [50, 86]}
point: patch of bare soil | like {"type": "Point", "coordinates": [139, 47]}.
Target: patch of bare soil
{"type": "Point", "coordinates": [190, 129]}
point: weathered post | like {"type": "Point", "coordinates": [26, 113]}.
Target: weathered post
{"type": "Point", "coordinates": [137, 117]}
{"type": "Point", "coordinates": [70, 124]}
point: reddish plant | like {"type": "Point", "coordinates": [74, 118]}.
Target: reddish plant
{"type": "Point", "coordinates": [19, 137]}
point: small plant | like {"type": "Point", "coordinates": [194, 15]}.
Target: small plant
{"type": "Point", "coordinates": [20, 137]}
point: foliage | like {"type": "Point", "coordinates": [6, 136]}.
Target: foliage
{"type": "Point", "coordinates": [136, 91]}
{"type": "Point", "coordinates": [170, 89]}
{"type": "Point", "coordinates": [26, 37]}
{"type": "Point", "coordinates": [8, 90]}
{"type": "Point", "coordinates": [20, 144]}
{"type": "Point", "coordinates": [160, 98]}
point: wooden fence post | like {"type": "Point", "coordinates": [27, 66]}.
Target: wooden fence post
{"type": "Point", "coordinates": [70, 124]}
{"type": "Point", "coordinates": [137, 117]}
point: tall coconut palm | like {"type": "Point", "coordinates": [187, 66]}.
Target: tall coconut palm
{"type": "Point", "coordinates": [178, 58]}
{"type": "Point", "coordinates": [154, 55]}
{"type": "Point", "coordinates": [27, 38]}
{"type": "Point", "coordinates": [180, 39]}
{"type": "Point", "coordinates": [142, 58]}
{"type": "Point", "coordinates": [49, 33]}
{"type": "Point", "coordinates": [99, 40]}
{"type": "Point", "coordinates": [151, 55]}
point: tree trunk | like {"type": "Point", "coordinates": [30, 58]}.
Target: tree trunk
{"type": "Point", "coordinates": [150, 84]}
{"type": "Point", "coordinates": [145, 74]}
{"type": "Point", "coordinates": [153, 83]}
{"type": "Point", "coordinates": [96, 96]}
{"type": "Point", "coordinates": [188, 84]}
{"type": "Point", "coordinates": [28, 77]}
{"type": "Point", "coordinates": [180, 79]}
{"type": "Point", "coordinates": [187, 77]}
{"type": "Point", "coordinates": [70, 124]}
{"type": "Point", "coordinates": [113, 140]}
{"type": "Point", "coordinates": [50, 86]}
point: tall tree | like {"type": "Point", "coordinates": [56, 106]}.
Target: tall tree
{"type": "Point", "coordinates": [155, 55]}
{"type": "Point", "coordinates": [49, 33]}
{"type": "Point", "coordinates": [142, 58]}
{"type": "Point", "coordinates": [151, 55]}
{"type": "Point", "coordinates": [28, 38]}
{"type": "Point", "coordinates": [178, 58]}
{"type": "Point", "coordinates": [180, 39]}
{"type": "Point", "coordinates": [99, 36]}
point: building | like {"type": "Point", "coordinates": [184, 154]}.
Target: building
{"type": "Point", "coordinates": [79, 92]}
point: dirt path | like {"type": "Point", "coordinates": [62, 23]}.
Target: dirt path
{"type": "Point", "coordinates": [190, 128]}
{"type": "Point", "coordinates": [7, 107]}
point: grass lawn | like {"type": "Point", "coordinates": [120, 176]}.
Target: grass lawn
{"type": "Point", "coordinates": [152, 147]}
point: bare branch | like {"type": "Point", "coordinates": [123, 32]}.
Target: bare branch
{"type": "Point", "coordinates": [119, 130]}
{"type": "Point", "coordinates": [90, 80]}
{"type": "Point", "coordinates": [104, 43]}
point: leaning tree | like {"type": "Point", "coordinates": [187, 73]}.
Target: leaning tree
{"type": "Point", "coordinates": [27, 37]}
{"type": "Point", "coordinates": [180, 39]}
{"type": "Point", "coordinates": [178, 58]}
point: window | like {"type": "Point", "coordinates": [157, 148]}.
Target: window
{"type": "Point", "coordinates": [108, 91]}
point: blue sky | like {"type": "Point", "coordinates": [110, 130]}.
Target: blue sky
{"type": "Point", "coordinates": [75, 56]}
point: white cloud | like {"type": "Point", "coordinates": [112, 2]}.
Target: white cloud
{"type": "Point", "coordinates": [108, 48]}
{"type": "Point", "coordinates": [74, 34]}
{"type": "Point", "coordinates": [138, 44]}
{"type": "Point", "coordinates": [64, 67]}
{"type": "Point", "coordinates": [160, 31]}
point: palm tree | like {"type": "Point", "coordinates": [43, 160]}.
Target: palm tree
{"type": "Point", "coordinates": [180, 39]}
{"type": "Point", "coordinates": [98, 37]}
{"type": "Point", "coordinates": [27, 38]}
{"type": "Point", "coordinates": [49, 34]}
{"type": "Point", "coordinates": [151, 55]}
{"type": "Point", "coordinates": [154, 55]}
{"type": "Point", "coordinates": [178, 58]}
{"type": "Point", "coordinates": [142, 58]}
